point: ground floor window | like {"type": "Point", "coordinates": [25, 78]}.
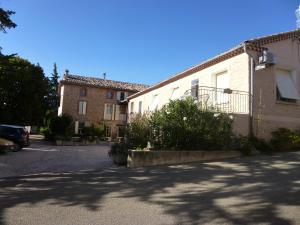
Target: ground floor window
{"type": "Point", "coordinates": [121, 131]}
{"type": "Point", "coordinates": [107, 130]}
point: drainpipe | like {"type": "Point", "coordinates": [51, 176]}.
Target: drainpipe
{"type": "Point", "coordinates": [250, 81]}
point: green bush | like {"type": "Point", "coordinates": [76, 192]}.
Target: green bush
{"type": "Point", "coordinates": [93, 131]}
{"type": "Point", "coordinates": [58, 127]}
{"type": "Point", "coordinates": [285, 139]}
{"type": "Point", "coordinates": [138, 131]}
{"type": "Point", "coordinates": [182, 125]}
{"type": "Point", "coordinates": [119, 153]}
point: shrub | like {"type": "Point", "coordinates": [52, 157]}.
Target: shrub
{"type": "Point", "coordinates": [119, 153]}
{"type": "Point", "coordinates": [285, 139]}
{"type": "Point", "coordinates": [138, 131]}
{"type": "Point", "coordinates": [58, 127]}
{"type": "Point", "coordinates": [182, 125]}
{"type": "Point", "coordinates": [95, 130]}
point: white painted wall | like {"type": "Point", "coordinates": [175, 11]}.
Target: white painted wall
{"type": "Point", "coordinates": [236, 68]}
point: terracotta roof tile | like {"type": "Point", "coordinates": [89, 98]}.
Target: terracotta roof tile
{"type": "Point", "coordinates": [98, 82]}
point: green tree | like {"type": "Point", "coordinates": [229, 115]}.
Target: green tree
{"type": "Point", "coordinates": [5, 21]}
{"type": "Point", "coordinates": [53, 97]}
{"type": "Point", "coordinates": [23, 91]}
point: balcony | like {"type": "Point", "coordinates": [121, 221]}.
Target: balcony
{"type": "Point", "coordinates": [223, 100]}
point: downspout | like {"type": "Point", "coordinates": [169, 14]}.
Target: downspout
{"type": "Point", "coordinates": [250, 81]}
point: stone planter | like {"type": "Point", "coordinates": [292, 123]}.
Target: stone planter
{"type": "Point", "coordinates": [151, 158]}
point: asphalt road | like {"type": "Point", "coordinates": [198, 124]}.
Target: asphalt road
{"type": "Point", "coordinates": [253, 190]}
{"type": "Point", "coordinates": [40, 157]}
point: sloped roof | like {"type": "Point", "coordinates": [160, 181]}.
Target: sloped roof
{"type": "Point", "coordinates": [104, 83]}
{"type": "Point", "coordinates": [256, 44]}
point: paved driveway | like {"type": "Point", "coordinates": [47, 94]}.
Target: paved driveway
{"type": "Point", "coordinates": [253, 190]}
{"type": "Point", "coordinates": [43, 157]}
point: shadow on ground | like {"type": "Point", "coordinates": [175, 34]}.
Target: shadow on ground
{"type": "Point", "coordinates": [241, 191]}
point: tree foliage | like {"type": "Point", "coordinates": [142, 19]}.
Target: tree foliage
{"type": "Point", "coordinates": [23, 90]}
{"type": "Point", "coordinates": [5, 21]}
{"type": "Point", "coordinates": [53, 97]}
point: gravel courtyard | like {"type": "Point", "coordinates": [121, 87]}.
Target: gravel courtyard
{"type": "Point", "coordinates": [41, 157]}
{"type": "Point", "coordinates": [252, 190]}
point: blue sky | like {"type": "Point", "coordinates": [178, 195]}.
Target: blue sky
{"type": "Point", "coordinates": [141, 41]}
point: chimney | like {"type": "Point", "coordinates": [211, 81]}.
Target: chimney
{"type": "Point", "coordinates": [66, 73]}
{"type": "Point", "coordinates": [104, 76]}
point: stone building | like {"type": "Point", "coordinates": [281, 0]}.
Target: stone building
{"type": "Point", "coordinates": [100, 101]}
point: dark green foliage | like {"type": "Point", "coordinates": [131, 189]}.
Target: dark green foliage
{"type": "Point", "coordinates": [285, 139]}
{"type": "Point", "coordinates": [5, 21]}
{"type": "Point", "coordinates": [53, 97]}
{"type": "Point", "coordinates": [23, 91]}
{"type": "Point", "coordinates": [60, 127]}
{"type": "Point", "coordinates": [138, 132]}
{"type": "Point", "coordinates": [182, 125]}
{"type": "Point", "coordinates": [119, 153]}
{"type": "Point", "coordinates": [93, 131]}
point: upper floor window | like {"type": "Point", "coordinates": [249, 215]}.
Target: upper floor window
{"type": "Point", "coordinates": [175, 93]}
{"type": "Point", "coordinates": [109, 95]}
{"type": "Point", "coordinates": [154, 104]}
{"type": "Point", "coordinates": [122, 109]}
{"type": "Point", "coordinates": [195, 88]}
{"type": "Point", "coordinates": [83, 92]}
{"type": "Point", "coordinates": [121, 95]}
{"type": "Point", "coordinates": [82, 107]}
{"type": "Point", "coordinates": [285, 87]}
{"type": "Point", "coordinates": [132, 107]}
{"type": "Point", "coordinates": [140, 106]}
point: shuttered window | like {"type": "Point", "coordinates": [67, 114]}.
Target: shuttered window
{"type": "Point", "coordinates": [286, 87]}
{"type": "Point", "coordinates": [82, 107]}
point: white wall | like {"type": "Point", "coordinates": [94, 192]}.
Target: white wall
{"type": "Point", "coordinates": [236, 67]}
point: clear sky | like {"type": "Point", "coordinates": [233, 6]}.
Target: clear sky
{"type": "Point", "coordinates": [141, 41]}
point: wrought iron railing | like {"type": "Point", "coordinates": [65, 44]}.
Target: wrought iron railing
{"type": "Point", "coordinates": [223, 100]}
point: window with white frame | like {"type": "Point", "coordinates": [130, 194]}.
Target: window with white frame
{"type": "Point", "coordinates": [222, 83]}
{"type": "Point", "coordinates": [121, 95]}
{"type": "Point", "coordinates": [140, 106]}
{"type": "Point", "coordinates": [286, 89]}
{"type": "Point", "coordinates": [108, 111]}
{"type": "Point", "coordinates": [132, 107]}
{"type": "Point", "coordinates": [154, 103]}
{"type": "Point", "coordinates": [175, 93]}
{"type": "Point", "coordinates": [195, 88]}
{"type": "Point", "coordinates": [82, 107]}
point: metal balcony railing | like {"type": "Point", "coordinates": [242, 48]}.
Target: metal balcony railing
{"type": "Point", "coordinates": [223, 100]}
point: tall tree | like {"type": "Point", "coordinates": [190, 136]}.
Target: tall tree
{"type": "Point", "coordinates": [23, 91]}
{"type": "Point", "coordinates": [53, 97]}
{"type": "Point", "coordinates": [5, 21]}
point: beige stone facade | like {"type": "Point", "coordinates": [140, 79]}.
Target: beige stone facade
{"type": "Point", "coordinates": [94, 104]}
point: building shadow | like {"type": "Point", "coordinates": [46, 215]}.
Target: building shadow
{"type": "Point", "coordinates": [241, 191]}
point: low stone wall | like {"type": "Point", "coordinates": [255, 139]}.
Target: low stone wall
{"type": "Point", "coordinates": [151, 158]}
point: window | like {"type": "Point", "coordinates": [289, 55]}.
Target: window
{"type": "Point", "coordinates": [107, 130]}
{"type": "Point", "coordinates": [140, 106]}
{"type": "Point", "coordinates": [285, 87]}
{"type": "Point", "coordinates": [222, 83]}
{"type": "Point", "coordinates": [109, 95]}
{"type": "Point", "coordinates": [154, 103]}
{"type": "Point", "coordinates": [122, 109]}
{"type": "Point", "coordinates": [195, 88]}
{"type": "Point", "coordinates": [82, 107]}
{"type": "Point", "coordinates": [83, 92]}
{"type": "Point", "coordinates": [121, 96]}
{"type": "Point", "coordinates": [175, 93]}
{"type": "Point", "coordinates": [109, 109]}
{"type": "Point", "coordinates": [121, 131]}
{"type": "Point", "coordinates": [132, 107]}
